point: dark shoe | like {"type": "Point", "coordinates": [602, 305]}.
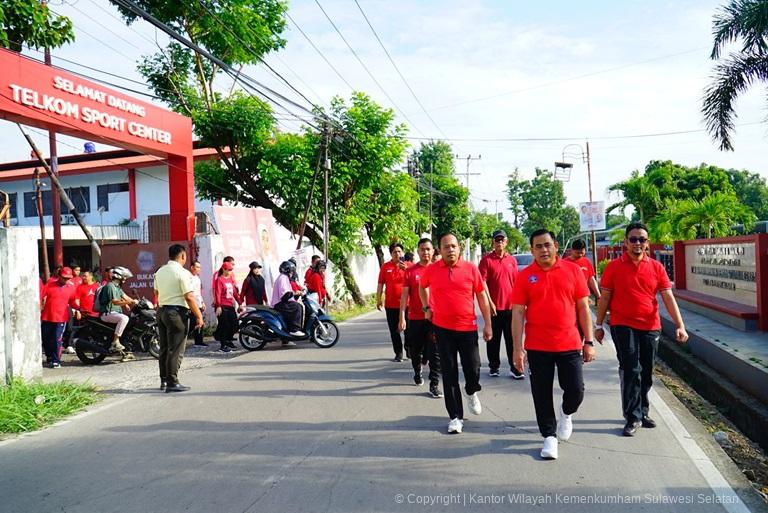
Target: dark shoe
{"type": "Point", "coordinates": [494, 373]}
{"type": "Point", "coordinates": [163, 385]}
{"type": "Point", "coordinates": [225, 349]}
{"type": "Point", "coordinates": [418, 380]}
{"type": "Point", "coordinates": [203, 344]}
{"type": "Point", "coordinates": [648, 422]}
{"type": "Point", "coordinates": [176, 388]}
{"type": "Point", "coordinates": [630, 428]}
{"type": "Point", "coordinates": [397, 359]}
{"type": "Point", "coordinates": [435, 391]}
{"type": "Point", "coordinates": [231, 344]}
{"type": "Point", "coordinates": [516, 374]}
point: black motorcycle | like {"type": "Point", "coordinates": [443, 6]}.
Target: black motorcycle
{"type": "Point", "coordinates": [93, 337]}
{"type": "Point", "coordinates": [262, 324]}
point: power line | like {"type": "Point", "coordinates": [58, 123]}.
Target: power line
{"type": "Point", "coordinates": [98, 40]}
{"type": "Point", "coordinates": [391, 60]}
{"type": "Point", "coordinates": [366, 68]}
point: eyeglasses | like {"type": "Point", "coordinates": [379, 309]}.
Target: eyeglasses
{"type": "Point", "coordinates": [635, 240]}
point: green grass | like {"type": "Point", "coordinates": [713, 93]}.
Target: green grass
{"type": "Point", "coordinates": [30, 406]}
{"type": "Point", "coordinates": [346, 312]}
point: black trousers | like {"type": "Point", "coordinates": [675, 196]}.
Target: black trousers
{"type": "Point", "coordinates": [197, 334]}
{"type": "Point", "coordinates": [569, 375]}
{"type": "Point", "coordinates": [636, 351]}
{"type": "Point", "coordinates": [172, 332]}
{"type": "Point", "coordinates": [501, 324]}
{"type": "Point", "coordinates": [451, 343]}
{"type": "Point", "coordinates": [292, 312]}
{"type": "Point", "coordinates": [227, 326]}
{"type": "Point", "coordinates": [421, 339]}
{"type": "Point", "coordinates": [393, 319]}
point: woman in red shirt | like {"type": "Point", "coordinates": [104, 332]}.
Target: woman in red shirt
{"type": "Point", "coordinates": [226, 296]}
{"type": "Point", "coordinates": [316, 282]}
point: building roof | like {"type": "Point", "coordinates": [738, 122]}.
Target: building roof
{"type": "Point", "coordinates": [93, 163]}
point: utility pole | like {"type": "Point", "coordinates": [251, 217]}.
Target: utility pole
{"type": "Point", "coordinates": [589, 180]}
{"type": "Point", "coordinates": [43, 241]}
{"type": "Point", "coordinates": [326, 176]}
{"type": "Point", "coordinates": [58, 249]}
{"type": "Point", "coordinates": [431, 190]}
{"type": "Point", "coordinates": [467, 174]}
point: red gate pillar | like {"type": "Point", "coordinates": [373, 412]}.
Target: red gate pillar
{"type": "Point", "coordinates": [181, 194]}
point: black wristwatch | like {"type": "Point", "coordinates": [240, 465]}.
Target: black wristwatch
{"type": "Point", "coordinates": [425, 308]}
{"type": "Point", "coordinates": [589, 343]}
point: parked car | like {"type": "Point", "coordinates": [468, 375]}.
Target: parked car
{"type": "Point", "coordinates": [523, 260]}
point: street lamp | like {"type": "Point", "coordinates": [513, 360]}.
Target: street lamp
{"type": "Point", "coordinates": [563, 173]}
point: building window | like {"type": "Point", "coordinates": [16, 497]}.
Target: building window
{"type": "Point", "coordinates": [103, 192]}
{"type": "Point", "coordinates": [80, 197]}
{"type": "Point", "coordinates": [12, 201]}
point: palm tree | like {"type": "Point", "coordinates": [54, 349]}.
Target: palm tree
{"type": "Point", "coordinates": [745, 20]}
{"type": "Point", "coordinates": [638, 192]}
{"type": "Point", "coordinates": [713, 216]}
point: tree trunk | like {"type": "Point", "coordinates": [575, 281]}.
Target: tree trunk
{"type": "Point", "coordinates": [349, 281]}
{"type": "Point", "coordinates": [379, 254]}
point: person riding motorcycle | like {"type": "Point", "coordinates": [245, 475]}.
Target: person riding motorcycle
{"type": "Point", "coordinates": [112, 299]}
{"type": "Point", "coordinates": [284, 300]}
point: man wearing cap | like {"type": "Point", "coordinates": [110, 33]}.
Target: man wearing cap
{"type": "Point", "coordinates": [447, 290]}
{"type": "Point", "coordinates": [58, 296]}
{"type": "Point", "coordinates": [175, 298]}
{"type": "Point", "coordinates": [629, 286]}
{"type": "Point", "coordinates": [499, 269]}
{"type": "Point", "coordinates": [547, 295]}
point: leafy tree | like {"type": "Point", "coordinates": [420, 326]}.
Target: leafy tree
{"type": "Point", "coordinates": [483, 226]}
{"type": "Point", "coordinates": [570, 223]}
{"type": "Point", "coordinates": [515, 188]}
{"type": "Point", "coordinates": [638, 193]}
{"type": "Point", "coordinates": [450, 208]}
{"type": "Point", "coordinates": [745, 21]}
{"type": "Point", "coordinates": [714, 216]}
{"type": "Point", "coordinates": [31, 23]}
{"type": "Point", "coordinates": [543, 200]}
{"type": "Point", "coordinates": [752, 190]}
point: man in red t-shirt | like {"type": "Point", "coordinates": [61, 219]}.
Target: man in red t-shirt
{"type": "Point", "coordinates": [420, 336]}
{"type": "Point", "coordinates": [578, 256]}
{"type": "Point", "coordinates": [629, 285]}
{"type": "Point", "coordinates": [58, 296]}
{"type": "Point", "coordinates": [448, 289]}
{"type": "Point", "coordinates": [499, 269]}
{"type": "Point", "coordinates": [548, 293]}
{"type": "Point", "coordinates": [391, 278]}
{"type": "Point", "coordinates": [86, 294]}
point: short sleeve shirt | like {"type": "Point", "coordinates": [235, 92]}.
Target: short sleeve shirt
{"type": "Point", "coordinates": [633, 291]}
{"type": "Point", "coordinates": [172, 282]}
{"type": "Point", "coordinates": [108, 293]}
{"type": "Point", "coordinates": [586, 267]}
{"type": "Point", "coordinates": [412, 278]}
{"type": "Point", "coordinates": [550, 298]}
{"type": "Point", "coordinates": [499, 273]}
{"type": "Point", "coordinates": [58, 298]}
{"type": "Point", "coordinates": [452, 294]}
{"type": "Point", "coordinates": [392, 277]}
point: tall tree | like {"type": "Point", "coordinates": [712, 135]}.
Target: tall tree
{"type": "Point", "coordinates": [714, 216]}
{"type": "Point", "coordinates": [570, 223]}
{"type": "Point", "coordinates": [31, 23]}
{"type": "Point", "coordinates": [515, 188]}
{"type": "Point", "coordinates": [752, 190]}
{"type": "Point", "coordinates": [745, 21]}
{"type": "Point", "coordinates": [543, 203]}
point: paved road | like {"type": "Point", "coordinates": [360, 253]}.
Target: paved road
{"type": "Point", "coordinates": [345, 430]}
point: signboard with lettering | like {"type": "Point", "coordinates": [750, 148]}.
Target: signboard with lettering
{"type": "Point", "coordinates": [592, 216]}
{"type": "Point", "coordinates": [727, 271]}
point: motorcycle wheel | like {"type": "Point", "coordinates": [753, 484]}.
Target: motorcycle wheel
{"type": "Point", "coordinates": [153, 344]}
{"type": "Point", "coordinates": [252, 343]}
{"type": "Point", "coordinates": [327, 339]}
{"type": "Point", "coordinates": [89, 357]}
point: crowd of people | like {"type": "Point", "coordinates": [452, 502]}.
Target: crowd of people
{"type": "Point", "coordinates": [542, 312]}
{"type": "Point", "coordinates": [72, 294]}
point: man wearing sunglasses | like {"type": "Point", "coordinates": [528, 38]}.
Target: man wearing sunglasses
{"type": "Point", "coordinates": [629, 286]}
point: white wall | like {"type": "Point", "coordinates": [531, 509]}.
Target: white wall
{"type": "Point", "coordinates": [20, 346]}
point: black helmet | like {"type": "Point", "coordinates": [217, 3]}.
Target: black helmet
{"type": "Point", "coordinates": [287, 267]}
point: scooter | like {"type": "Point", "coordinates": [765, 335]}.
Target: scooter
{"type": "Point", "coordinates": [259, 325]}
{"type": "Point", "coordinates": [93, 338]}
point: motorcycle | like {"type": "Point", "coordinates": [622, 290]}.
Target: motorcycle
{"type": "Point", "coordinates": [259, 325]}
{"type": "Point", "coordinates": [93, 338]}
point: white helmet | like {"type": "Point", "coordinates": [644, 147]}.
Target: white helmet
{"type": "Point", "coordinates": [121, 273]}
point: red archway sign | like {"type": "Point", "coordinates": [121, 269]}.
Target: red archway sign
{"type": "Point", "coordinates": [44, 97]}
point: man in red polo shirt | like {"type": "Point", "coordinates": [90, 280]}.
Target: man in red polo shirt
{"type": "Point", "coordinates": [547, 296]}
{"type": "Point", "coordinates": [499, 269]}
{"type": "Point", "coordinates": [58, 296]}
{"type": "Point", "coordinates": [391, 279]}
{"type": "Point", "coordinates": [86, 294]}
{"type": "Point", "coordinates": [579, 257]}
{"type": "Point", "coordinates": [448, 289]}
{"type": "Point", "coordinates": [629, 285]}
{"type": "Point", "coordinates": [420, 335]}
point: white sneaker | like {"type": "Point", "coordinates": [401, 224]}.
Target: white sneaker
{"type": "Point", "coordinates": [69, 350]}
{"type": "Point", "coordinates": [298, 334]}
{"type": "Point", "coordinates": [564, 426]}
{"type": "Point", "coordinates": [474, 404]}
{"type": "Point", "coordinates": [455, 426]}
{"type": "Point", "coordinates": [549, 451]}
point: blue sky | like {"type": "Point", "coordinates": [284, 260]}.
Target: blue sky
{"type": "Point", "coordinates": [553, 69]}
